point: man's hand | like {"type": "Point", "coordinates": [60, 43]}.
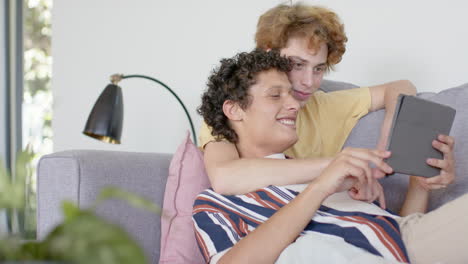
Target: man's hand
{"type": "Point", "coordinates": [372, 190]}
{"type": "Point", "coordinates": [419, 187]}
{"type": "Point", "coordinates": [351, 168]}
{"type": "Point", "coordinates": [369, 193]}
{"type": "Point", "coordinates": [444, 144]}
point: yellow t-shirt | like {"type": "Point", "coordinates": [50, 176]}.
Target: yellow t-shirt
{"type": "Point", "coordinates": [323, 124]}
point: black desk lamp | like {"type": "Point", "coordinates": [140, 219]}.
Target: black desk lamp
{"type": "Point", "coordinates": [106, 119]}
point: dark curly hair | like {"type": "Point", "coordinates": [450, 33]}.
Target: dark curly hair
{"type": "Point", "coordinates": [231, 81]}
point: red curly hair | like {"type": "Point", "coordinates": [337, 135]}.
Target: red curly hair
{"type": "Point", "coordinates": [318, 24]}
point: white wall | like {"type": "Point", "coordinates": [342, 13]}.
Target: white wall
{"type": "Point", "coordinates": [179, 42]}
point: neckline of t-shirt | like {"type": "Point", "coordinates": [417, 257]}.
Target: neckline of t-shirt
{"type": "Point", "coordinates": [276, 156]}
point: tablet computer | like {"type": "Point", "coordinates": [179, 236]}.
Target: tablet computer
{"type": "Point", "coordinates": [416, 123]}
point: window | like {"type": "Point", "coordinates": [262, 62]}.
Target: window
{"type": "Point", "coordinates": [37, 95]}
{"type": "Point", "coordinates": [25, 97]}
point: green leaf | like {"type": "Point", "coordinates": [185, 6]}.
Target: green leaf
{"type": "Point", "coordinates": [9, 248]}
{"type": "Point", "coordinates": [70, 210]}
{"type": "Point", "coordinates": [13, 187]}
{"type": "Point", "coordinates": [87, 238]}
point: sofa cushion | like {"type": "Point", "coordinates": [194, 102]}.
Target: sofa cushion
{"type": "Point", "coordinates": [187, 178]}
{"type": "Point", "coordinates": [366, 134]}
{"type": "Point", "coordinates": [331, 86]}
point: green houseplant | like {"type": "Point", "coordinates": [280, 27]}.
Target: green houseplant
{"type": "Point", "coordinates": [82, 237]}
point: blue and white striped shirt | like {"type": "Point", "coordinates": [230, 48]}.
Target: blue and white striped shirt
{"type": "Point", "coordinates": [222, 220]}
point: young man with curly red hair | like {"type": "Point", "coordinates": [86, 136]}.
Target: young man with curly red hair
{"type": "Point", "coordinates": [313, 39]}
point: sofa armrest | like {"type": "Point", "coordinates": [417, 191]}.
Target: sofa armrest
{"type": "Point", "coordinates": [79, 175]}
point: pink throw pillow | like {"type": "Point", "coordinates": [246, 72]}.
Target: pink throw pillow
{"type": "Point", "coordinates": [187, 178]}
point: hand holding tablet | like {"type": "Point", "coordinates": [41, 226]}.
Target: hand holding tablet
{"type": "Point", "coordinates": [416, 124]}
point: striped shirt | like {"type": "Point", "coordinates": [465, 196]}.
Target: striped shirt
{"type": "Point", "coordinates": [222, 220]}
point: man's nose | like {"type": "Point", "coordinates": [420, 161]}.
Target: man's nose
{"type": "Point", "coordinates": [307, 78]}
{"type": "Point", "coordinates": [292, 103]}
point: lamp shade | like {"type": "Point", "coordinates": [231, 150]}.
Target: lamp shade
{"type": "Point", "coordinates": [106, 118]}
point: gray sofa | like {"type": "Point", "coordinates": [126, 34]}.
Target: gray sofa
{"type": "Point", "coordinates": [78, 175]}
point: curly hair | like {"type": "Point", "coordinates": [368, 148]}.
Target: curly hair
{"type": "Point", "coordinates": [231, 81]}
{"type": "Point", "coordinates": [318, 24]}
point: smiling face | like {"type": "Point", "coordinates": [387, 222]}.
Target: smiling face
{"type": "Point", "coordinates": [268, 124]}
{"type": "Point", "coordinates": [309, 65]}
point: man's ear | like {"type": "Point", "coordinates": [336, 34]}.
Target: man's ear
{"type": "Point", "coordinates": [232, 110]}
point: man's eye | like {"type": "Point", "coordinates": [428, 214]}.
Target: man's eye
{"type": "Point", "coordinates": [319, 69]}
{"type": "Point", "coordinates": [275, 95]}
{"type": "Point", "coordinates": [298, 66]}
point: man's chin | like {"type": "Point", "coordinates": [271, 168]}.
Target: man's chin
{"type": "Point", "coordinates": [302, 99]}
{"type": "Point", "coordinates": [289, 143]}
{"type": "Point", "coordinates": [302, 103]}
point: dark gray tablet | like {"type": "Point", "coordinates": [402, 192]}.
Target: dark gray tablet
{"type": "Point", "coordinates": [416, 123]}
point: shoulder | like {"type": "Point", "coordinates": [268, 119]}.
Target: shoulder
{"type": "Point", "coordinates": [343, 98]}
{"type": "Point", "coordinates": [324, 97]}
{"type": "Point", "coordinates": [346, 93]}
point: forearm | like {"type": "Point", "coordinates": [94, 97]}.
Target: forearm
{"type": "Point", "coordinates": [273, 236]}
{"type": "Point", "coordinates": [245, 175]}
{"type": "Point", "coordinates": [390, 100]}
{"type": "Point", "coordinates": [416, 199]}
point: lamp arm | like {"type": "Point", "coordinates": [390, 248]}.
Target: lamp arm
{"type": "Point", "coordinates": [173, 93]}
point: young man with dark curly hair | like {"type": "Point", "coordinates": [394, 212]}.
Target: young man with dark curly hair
{"type": "Point", "coordinates": [313, 38]}
{"type": "Point", "coordinates": [249, 102]}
